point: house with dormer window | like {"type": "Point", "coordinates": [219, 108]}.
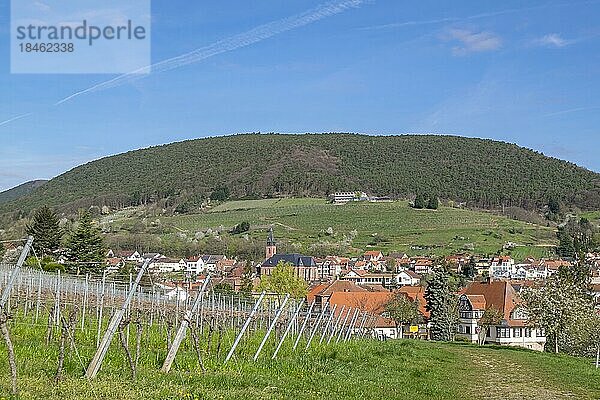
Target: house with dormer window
{"type": "Point", "coordinates": [512, 330]}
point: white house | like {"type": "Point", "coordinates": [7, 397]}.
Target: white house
{"type": "Point", "coordinates": [166, 265]}
{"type": "Point", "coordinates": [408, 278]}
{"type": "Point", "coordinates": [362, 277]}
{"type": "Point", "coordinates": [346, 197]}
{"type": "Point", "coordinates": [172, 292]}
{"type": "Point", "coordinates": [513, 328]}
{"type": "Point", "coordinates": [422, 265]}
{"type": "Point", "coordinates": [502, 267]}
{"type": "Point", "coordinates": [199, 264]}
{"type": "Point", "coordinates": [194, 265]}
{"type": "Point", "coordinates": [132, 256]}
{"type": "Point", "coordinates": [177, 293]}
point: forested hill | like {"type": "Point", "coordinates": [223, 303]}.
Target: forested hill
{"type": "Point", "coordinates": [20, 191]}
{"type": "Point", "coordinates": [481, 172]}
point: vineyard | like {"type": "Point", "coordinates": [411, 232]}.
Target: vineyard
{"type": "Point", "coordinates": [95, 337]}
{"type": "Point", "coordinates": [352, 228]}
{"type": "Point", "coordinates": [83, 326]}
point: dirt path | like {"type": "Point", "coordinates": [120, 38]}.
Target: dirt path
{"type": "Point", "coordinates": [499, 379]}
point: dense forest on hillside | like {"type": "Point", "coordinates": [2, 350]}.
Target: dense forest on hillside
{"type": "Point", "coordinates": [20, 191]}
{"type": "Point", "coordinates": [483, 173]}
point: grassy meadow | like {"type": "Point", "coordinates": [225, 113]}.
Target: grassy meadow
{"type": "Point", "coordinates": [352, 228]}
{"type": "Point", "coordinates": [365, 369]}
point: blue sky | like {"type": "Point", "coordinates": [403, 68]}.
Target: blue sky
{"type": "Point", "coordinates": [522, 72]}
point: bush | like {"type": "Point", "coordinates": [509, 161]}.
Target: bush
{"type": "Point", "coordinates": [241, 228]}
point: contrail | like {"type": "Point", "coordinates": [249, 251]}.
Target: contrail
{"type": "Point", "coordinates": [571, 110]}
{"type": "Point", "coordinates": [244, 39]}
{"type": "Point", "coordinates": [476, 16]}
{"type": "Point", "coordinates": [8, 121]}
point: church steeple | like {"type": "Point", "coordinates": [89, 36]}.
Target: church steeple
{"type": "Point", "coordinates": [271, 249]}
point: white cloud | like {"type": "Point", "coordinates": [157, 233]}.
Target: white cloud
{"type": "Point", "coordinates": [472, 42]}
{"type": "Point", "coordinates": [42, 6]}
{"type": "Point", "coordinates": [552, 40]}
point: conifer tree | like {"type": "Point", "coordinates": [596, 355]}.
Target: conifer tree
{"type": "Point", "coordinates": [433, 203]}
{"type": "Point", "coordinates": [86, 244]}
{"type": "Point", "coordinates": [45, 230]}
{"type": "Point", "coordinates": [440, 306]}
{"type": "Point", "coordinates": [420, 201]}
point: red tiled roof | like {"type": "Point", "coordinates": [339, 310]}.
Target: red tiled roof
{"type": "Point", "coordinates": [371, 302]}
{"type": "Point", "coordinates": [359, 272]}
{"type": "Point", "coordinates": [423, 261]}
{"type": "Point", "coordinates": [326, 289]}
{"type": "Point", "coordinates": [477, 301]}
{"type": "Point", "coordinates": [375, 288]}
{"type": "Point", "coordinates": [416, 293]}
{"type": "Point", "coordinates": [113, 261]}
{"type": "Point", "coordinates": [498, 294]}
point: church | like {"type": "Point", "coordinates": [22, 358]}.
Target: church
{"type": "Point", "coordinates": [304, 266]}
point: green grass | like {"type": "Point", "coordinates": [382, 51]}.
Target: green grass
{"type": "Point", "coordinates": [593, 216]}
{"type": "Point", "coordinates": [385, 226]}
{"type": "Point", "coordinates": [363, 369]}
{"type": "Point", "coordinates": [538, 252]}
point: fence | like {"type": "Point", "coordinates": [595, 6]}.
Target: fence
{"type": "Point", "coordinates": [91, 304]}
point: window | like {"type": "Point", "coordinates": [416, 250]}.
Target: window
{"type": "Point", "coordinates": [517, 332]}
{"type": "Point", "coordinates": [527, 332]}
{"type": "Point", "coordinates": [540, 333]}
{"type": "Point", "coordinates": [519, 313]}
{"type": "Point", "coordinates": [468, 329]}
{"type": "Point", "coordinates": [502, 332]}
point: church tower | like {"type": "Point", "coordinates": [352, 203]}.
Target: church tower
{"type": "Point", "coordinates": [271, 249]}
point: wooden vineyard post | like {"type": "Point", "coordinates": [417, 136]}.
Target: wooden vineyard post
{"type": "Point", "coordinates": [96, 362]}
{"type": "Point", "coordinates": [39, 298]}
{"type": "Point", "coordinates": [4, 315]}
{"type": "Point", "coordinates": [15, 273]}
{"type": "Point", "coordinates": [304, 324]}
{"type": "Point", "coordinates": [362, 324]}
{"type": "Point", "coordinates": [243, 330]}
{"type": "Point", "coordinates": [335, 326]}
{"type": "Point", "coordinates": [314, 330]}
{"type": "Point", "coordinates": [352, 322]}
{"type": "Point", "coordinates": [328, 323]}
{"type": "Point", "coordinates": [183, 328]}
{"type": "Point", "coordinates": [343, 325]}
{"type": "Point", "coordinates": [100, 303]}
{"type": "Point", "coordinates": [287, 330]}
{"type": "Point", "coordinates": [273, 323]}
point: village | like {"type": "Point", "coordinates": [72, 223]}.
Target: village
{"type": "Point", "coordinates": [371, 281]}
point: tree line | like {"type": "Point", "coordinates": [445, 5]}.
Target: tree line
{"type": "Point", "coordinates": [82, 247]}
{"type": "Point", "coordinates": [482, 173]}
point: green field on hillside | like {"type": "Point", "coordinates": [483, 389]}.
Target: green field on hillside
{"type": "Point", "coordinates": [386, 226]}
{"type": "Point", "coordinates": [362, 369]}
{"type": "Point", "coordinates": [593, 216]}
